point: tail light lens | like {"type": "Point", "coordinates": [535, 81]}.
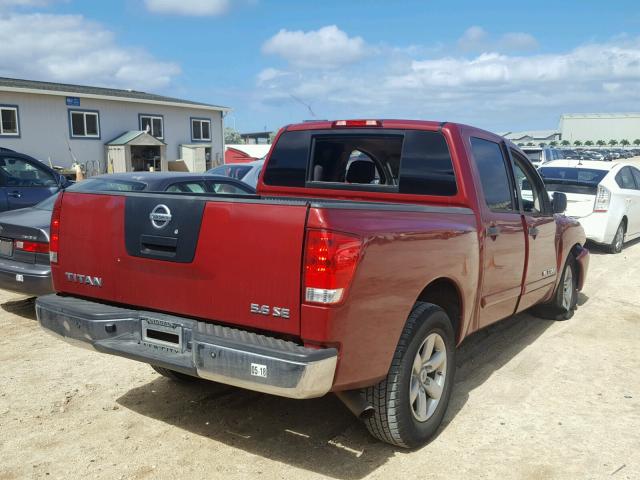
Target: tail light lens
{"type": "Point", "coordinates": [329, 264]}
{"type": "Point", "coordinates": [32, 247]}
{"type": "Point", "coordinates": [54, 233]}
{"type": "Point", "coordinates": [603, 197]}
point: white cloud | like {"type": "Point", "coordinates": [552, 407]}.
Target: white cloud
{"type": "Point", "coordinates": [474, 38]}
{"type": "Point", "coordinates": [23, 3]}
{"type": "Point", "coordinates": [477, 39]}
{"type": "Point", "coordinates": [189, 7]}
{"type": "Point", "coordinates": [485, 89]}
{"type": "Point", "coordinates": [328, 47]}
{"type": "Point", "coordinates": [70, 48]}
{"type": "Point", "coordinates": [518, 41]}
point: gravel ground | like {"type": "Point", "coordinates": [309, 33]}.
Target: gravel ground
{"type": "Point", "coordinates": [533, 399]}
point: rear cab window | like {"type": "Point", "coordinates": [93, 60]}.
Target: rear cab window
{"type": "Point", "coordinates": [395, 161]}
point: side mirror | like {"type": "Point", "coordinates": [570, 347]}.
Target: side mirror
{"type": "Point", "coordinates": [559, 202]}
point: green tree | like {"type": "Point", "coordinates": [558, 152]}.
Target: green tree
{"type": "Point", "coordinates": [232, 136]}
{"type": "Point", "coordinates": [577, 143]}
{"type": "Point", "coordinates": [636, 141]}
{"type": "Point", "coordinates": [601, 143]}
{"type": "Point", "coordinates": [542, 144]}
{"type": "Point", "coordinates": [613, 142]}
{"type": "Point", "coordinates": [530, 144]}
{"type": "Point", "coordinates": [589, 143]}
{"type": "Point", "coordinates": [553, 143]}
{"type": "Point", "coordinates": [624, 142]}
{"type": "Point", "coordinates": [565, 143]}
{"type": "Point", "coordinates": [272, 136]}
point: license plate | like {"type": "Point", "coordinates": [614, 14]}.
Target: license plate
{"type": "Point", "coordinates": [258, 370]}
{"type": "Point", "coordinates": [6, 247]}
{"type": "Point", "coordinates": [162, 333]}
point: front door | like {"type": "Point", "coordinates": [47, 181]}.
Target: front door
{"type": "Point", "coordinates": [503, 234]}
{"type": "Point", "coordinates": [23, 182]}
{"type": "Point", "coordinates": [540, 226]}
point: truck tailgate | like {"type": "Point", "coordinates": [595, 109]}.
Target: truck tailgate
{"type": "Point", "coordinates": [212, 260]}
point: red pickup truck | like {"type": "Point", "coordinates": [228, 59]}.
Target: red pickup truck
{"type": "Point", "coordinates": [371, 251]}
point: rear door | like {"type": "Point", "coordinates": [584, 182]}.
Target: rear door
{"type": "Point", "coordinates": [504, 235]}
{"type": "Point", "coordinates": [633, 228]}
{"type": "Point", "coordinates": [206, 258]}
{"type": "Point", "coordinates": [540, 226]}
{"type": "Point", "coordinates": [24, 182]}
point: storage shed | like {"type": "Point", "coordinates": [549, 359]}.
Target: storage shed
{"type": "Point", "coordinates": [136, 151]}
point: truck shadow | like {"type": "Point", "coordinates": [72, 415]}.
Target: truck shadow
{"type": "Point", "coordinates": [318, 435]}
{"type": "Point", "coordinates": [25, 307]}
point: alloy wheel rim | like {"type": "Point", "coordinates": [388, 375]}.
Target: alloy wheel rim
{"type": "Point", "coordinates": [619, 239]}
{"type": "Point", "coordinates": [567, 289]}
{"type": "Point", "coordinates": [428, 376]}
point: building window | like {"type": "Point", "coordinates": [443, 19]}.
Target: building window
{"type": "Point", "coordinates": [9, 121]}
{"type": "Point", "coordinates": [84, 124]}
{"type": "Point", "coordinates": [200, 129]}
{"type": "Point", "coordinates": [154, 124]}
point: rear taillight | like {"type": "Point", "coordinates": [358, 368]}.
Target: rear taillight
{"type": "Point", "coordinates": [54, 234]}
{"type": "Point", "coordinates": [603, 197]}
{"type": "Point", "coordinates": [32, 247]}
{"type": "Point", "coordinates": [357, 123]}
{"type": "Point", "coordinates": [329, 263]}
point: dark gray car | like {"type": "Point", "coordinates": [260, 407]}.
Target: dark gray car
{"type": "Point", "coordinates": [24, 233]}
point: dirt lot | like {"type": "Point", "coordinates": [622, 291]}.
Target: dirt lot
{"type": "Point", "coordinates": [533, 399]}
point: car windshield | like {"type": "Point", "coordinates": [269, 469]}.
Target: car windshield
{"type": "Point", "coordinates": [572, 180]}
{"type": "Point", "coordinates": [534, 155]}
{"type": "Point", "coordinates": [106, 184]}
{"type": "Point", "coordinates": [233, 171]}
{"type": "Point", "coordinates": [47, 204]}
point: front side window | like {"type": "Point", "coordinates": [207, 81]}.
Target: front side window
{"type": "Point", "coordinates": [624, 179]}
{"type": "Point", "coordinates": [17, 172]}
{"type": "Point", "coordinates": [153, 124]}
{"type": "Point", "coordinates": [84, 124]}
{"type": "Point", "coordinates": [9, 121]}
{"type": "Point", "coordinates": [200, 129]}
{"type": "Point", "coordinates": [530, 190]}
{"type": "Point", "coordinates": [493, 174]}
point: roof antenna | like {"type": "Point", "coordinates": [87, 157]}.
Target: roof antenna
{"type": "Point", "coordinates": [305, 104]}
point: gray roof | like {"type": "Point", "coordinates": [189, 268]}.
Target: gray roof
{"type": "Point", "coordinates": [57, 88]}
{"type": "Point", "coordinates": [127, 137]}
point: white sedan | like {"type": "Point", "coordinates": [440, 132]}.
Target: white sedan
{"type": "Point", "coordinates": [603, 196]}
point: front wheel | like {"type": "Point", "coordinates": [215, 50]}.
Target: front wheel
{"type": "Point", "coordinates": [410, 403]}
{"type": "Point", "coordinates": [565, 300]}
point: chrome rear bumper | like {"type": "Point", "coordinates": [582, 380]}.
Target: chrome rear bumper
{"type": "Point", "coordinates": [202, 349]}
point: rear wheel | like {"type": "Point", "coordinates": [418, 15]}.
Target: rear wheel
{"type": "Point", "coordinates": [618, 240]}
{"type": "Point", "coordinates": [175, 376]}
{"type": "Point", "coordinates": [410, 403]}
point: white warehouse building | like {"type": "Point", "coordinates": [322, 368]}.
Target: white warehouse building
{"type": "Point", "coordinates": [600, 126]}
{"type": "Point", "coordinates": [108, 129]}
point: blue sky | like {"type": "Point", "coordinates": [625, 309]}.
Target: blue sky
{"type": "Point", "coordinates": [276, 62]}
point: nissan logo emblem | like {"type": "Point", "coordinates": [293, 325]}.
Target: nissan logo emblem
{"type": "Point", "coordinates": [160, 216]}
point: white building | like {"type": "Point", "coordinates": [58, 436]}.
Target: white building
{"type": "Point", "coordinates": [600, 126]}
{"type": "Point", "coordinates": [60, 124]}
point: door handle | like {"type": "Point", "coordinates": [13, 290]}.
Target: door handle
{"type": "Point", "coordinates": [14, 194]}
{"type": "Point", "coordinates": [493, 231]}
{"type": "Point", "coordinates": [533, 231]}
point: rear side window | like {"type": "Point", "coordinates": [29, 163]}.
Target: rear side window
{"type": "Point", "coordinates": [411, 162]}
{"type": "Point", "coordinates": [493, 174]}
{"type": "Point", "coordinates": [636, 175]}
{"type": "Point", "coordinates": [624, 179]}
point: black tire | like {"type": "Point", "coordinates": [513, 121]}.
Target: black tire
{"type": "Point", "coordinates": [557, 308]}
{"type": "Point", "coordinates": [618, 240]}
{"type": "Point", "coordinates": [393, 420]}
{"type": "Point", "coordinates": [175, 376]}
